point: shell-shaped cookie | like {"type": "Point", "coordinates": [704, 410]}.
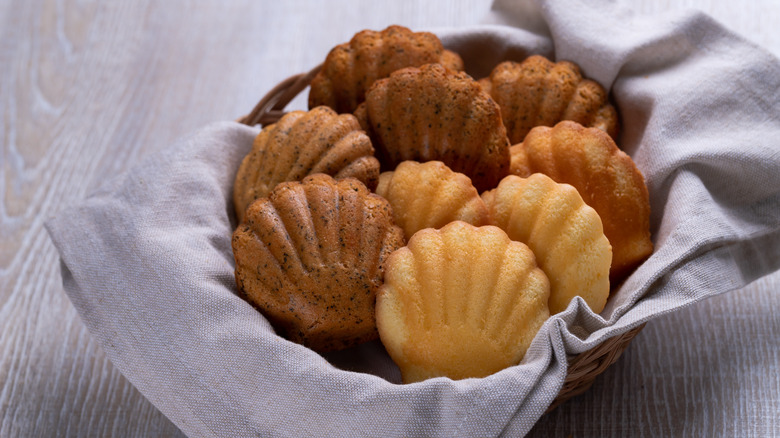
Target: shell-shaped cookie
{"type": "Point", "coordinates": [460, 302]}
{"type": "Point", "coordinates": [538, 92]}
{"type": "Point", "coordinates": [311, 258]}
{"type": "Point", "coordinates": [564, 233]}
{"type": "Point", "coordinates": [430, 195]}
{"type": "Point", "coordinates": [351, 68]}
{"type": "Point", "coordinates": [607, 179]}
{"type": "Point", "coordinates": [432, 113]}
{"type": "Point", "coordinates": [303, 143]}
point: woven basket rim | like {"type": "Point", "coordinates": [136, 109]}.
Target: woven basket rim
{"type": "Point", "coordinates": [582, 368]}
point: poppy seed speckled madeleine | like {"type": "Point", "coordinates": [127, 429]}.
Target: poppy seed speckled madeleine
{"type": "Point", "coordinates": [351, 68]}
{"type": "Point", "coordinates": [302, 143]}
{"type": "Point", "coordinates": [311, 258]}
{"type": "Point", "coordinates": [433, 113]}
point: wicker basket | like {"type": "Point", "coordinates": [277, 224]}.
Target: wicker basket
{"type": "Point", "coordinates": [583, 368]}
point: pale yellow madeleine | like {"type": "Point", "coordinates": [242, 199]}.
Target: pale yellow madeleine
{"type": "Point", "coordinates": [460, 302]}
{"type": "Point", "coordinates": [430, 195]}
{"type": "Point", "coordinates": [564, 233]}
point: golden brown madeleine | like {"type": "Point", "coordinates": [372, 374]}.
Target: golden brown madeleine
{"type": "Point", "coordinates": [564, 233]}
{"type": "Point", "coordinates": [430, 195]}
{"type": "Point", "coordinates": [311, 258]}
{"type": "Point", "coordinates": [432, 113]}
{"type": "Point", "coordinates": [537, 92]}
{"type": "Point", "coordinates": [351, 68]}
{"type": "Point", "coordinates": [303, 143]}
{"type": "Point", "coordinates": [607, 179]}
{"type": "Point", "coordinates": [460, 302]}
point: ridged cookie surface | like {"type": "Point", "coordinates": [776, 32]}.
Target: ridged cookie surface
{"type": "Point", "coordinates": [311, 258]}
{"type": "Point", "coordinates": [564, 233]}
{"type": "Point", "coordinates": [430, 195]}
{"type": "Point", "coordinates": [538, 92]}
{"type": "Point", "coordinates": [351, 68]}
{"type": "Point", "coordinates": [432, 113]}
{"type": "Point", "coordinates": [607, 179]}
{"type": "Point", "coordinates": [303, 143]}
{"type": "Point", "coordinates": [460, 302]}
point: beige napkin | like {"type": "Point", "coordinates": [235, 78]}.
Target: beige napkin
{"type": "Point", "coordinates": [147, 259]}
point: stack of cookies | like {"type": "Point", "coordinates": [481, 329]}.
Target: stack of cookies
{"type": "Point", "coordinates": [449, 217]}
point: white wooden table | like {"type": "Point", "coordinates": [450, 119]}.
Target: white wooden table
{"type": "Point", "coordinates": [87, 86]}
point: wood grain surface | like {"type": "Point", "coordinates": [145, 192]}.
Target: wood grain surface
{"type": "Point", "coordinates": [88, 87]}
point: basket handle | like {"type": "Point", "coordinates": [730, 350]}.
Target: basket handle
{"type": "Point", "coordinates": [271, 107]}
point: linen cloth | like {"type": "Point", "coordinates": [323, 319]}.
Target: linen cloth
{"type": "Point", "coordinates": [146, 260]}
